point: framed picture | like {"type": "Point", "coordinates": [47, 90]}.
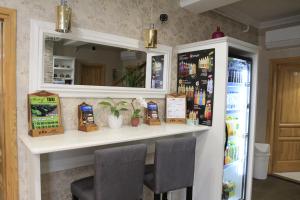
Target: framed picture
{"type": "Point", "coordinates": [176, 109]}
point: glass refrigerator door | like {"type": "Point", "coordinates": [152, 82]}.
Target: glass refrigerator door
{"type": "Point", "coordinates": [237, 129]}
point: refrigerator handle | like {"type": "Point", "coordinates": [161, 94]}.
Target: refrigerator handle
{"type": "Point", "coordinates": [226, 142]}
{"type": "Point", "coordinates": [226, 138]}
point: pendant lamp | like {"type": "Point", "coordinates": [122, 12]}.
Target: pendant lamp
{"type": "Point", "coordinates": [150, 34]}
{"type": "Point", "coordinates": [150, 37]}
{"type": "Point", "coordinates": [63, 17]}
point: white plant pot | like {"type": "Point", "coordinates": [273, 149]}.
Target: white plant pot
{"type": "Point", "coordinates": [115, 122]}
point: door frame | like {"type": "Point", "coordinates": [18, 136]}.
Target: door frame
{"type": "Point", "coordinates": [10, 176]}
{"type": "Point", "coordinates": [272, 94]}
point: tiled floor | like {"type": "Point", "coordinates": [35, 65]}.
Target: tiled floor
{"type": "Point", "coordinates": [274, 188]}
{"type": "Point", "coordinates": [295, 176]}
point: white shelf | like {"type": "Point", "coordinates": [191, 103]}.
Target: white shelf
{"type": "Point", "coordinates": [63, 61]}
{"type": "Point", "coordinates": [58, 78]}
{"type": "Point", "coordinates": [60, 68]}
{"type": "Point", "coordinates": [74, 139]}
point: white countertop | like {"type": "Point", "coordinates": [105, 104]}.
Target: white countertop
{"type": "Point", "coordinates": [74, 139]}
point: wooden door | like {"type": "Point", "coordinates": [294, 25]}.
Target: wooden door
{"type": "Point", "coordinates": [286, 116]}
{"type": "Point", "coordinates": [1, 118]}
{"type": "Point", "coordinates": [92, 75]}
{"type": "Point", "coordinates": [8, 139]}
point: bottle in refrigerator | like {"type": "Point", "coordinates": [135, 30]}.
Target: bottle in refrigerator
{"type": "Point", "coordinates": [229, 188]}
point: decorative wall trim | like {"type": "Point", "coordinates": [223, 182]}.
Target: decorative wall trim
{"type": "Point", "coordinates": [39, 28]}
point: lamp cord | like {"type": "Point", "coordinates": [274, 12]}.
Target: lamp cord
{"type": "Point", "coordinates": [151, 12]}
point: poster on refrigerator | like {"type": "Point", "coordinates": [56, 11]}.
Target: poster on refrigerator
{"type": "Point", "coordinates": [157, 71]}
{"type": "Point", "coordinates": [196, 81]}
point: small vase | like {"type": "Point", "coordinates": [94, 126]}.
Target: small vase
{"type": "Point", "coordinates": [115, 122]}
{"type": "Point", "coordinates": [218, 33]}
{"type": "Point", "coordinates": [135, 121]}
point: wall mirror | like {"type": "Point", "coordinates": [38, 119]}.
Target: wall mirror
{"type": "Point", "coordinates": [86, 63]}
{"type": "Point", "coordinates": [76, 62]}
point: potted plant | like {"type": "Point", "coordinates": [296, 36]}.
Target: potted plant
{"type": "Point", "coordinates": [136, 112]}
{"type": "Point", "coordinates": [115, 119]}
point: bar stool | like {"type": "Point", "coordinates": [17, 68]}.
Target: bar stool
{"type": "Point", "coordinates": [173, 167]}
{"type": "Point", "coordinates": [118, 175]}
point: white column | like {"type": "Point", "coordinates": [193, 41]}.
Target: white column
{"type": "Point", "coordinates": [34, 169]}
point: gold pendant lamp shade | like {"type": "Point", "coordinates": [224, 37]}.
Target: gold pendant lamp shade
{"type": "Point", "coordinates": [63, 17]}
{"type": "Point", "coordinates": [150, 37]}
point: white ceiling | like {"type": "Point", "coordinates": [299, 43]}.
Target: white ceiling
{"type": "Point", "coordinates": [263, 13]}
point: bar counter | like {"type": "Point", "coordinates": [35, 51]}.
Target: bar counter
{"type": "Point", "coordinates": [74, 139]}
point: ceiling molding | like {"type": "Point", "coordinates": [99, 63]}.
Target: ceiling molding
{"type": "Point", "coordinates": [238, 16]}
{"type": "Point", "coordinates": [279, 22]}
{"type": "Point", "coordinates": [200, 6]}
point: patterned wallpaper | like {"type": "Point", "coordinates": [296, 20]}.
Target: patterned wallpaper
{"type": "Point", "coordinates": [120, 17]}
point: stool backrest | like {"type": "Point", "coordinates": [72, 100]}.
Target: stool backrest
{"type": "Point", "coordinates": [119, 173]}
{"type": "Point", "coordinates": [174, 163]}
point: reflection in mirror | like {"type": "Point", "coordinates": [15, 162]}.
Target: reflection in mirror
{"type": "Point", "coordinates": [81, 63]}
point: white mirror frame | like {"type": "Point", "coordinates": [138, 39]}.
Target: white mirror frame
{"type": "Point", "coordinates": [36, 75]}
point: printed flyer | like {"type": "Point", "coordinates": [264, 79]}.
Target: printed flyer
{"type": "Point", "coordinates": [44, 111]}
{"type": "Point", "coordinates": [196, 81]}
{"type": "Point", "coordinates": [157, 71]}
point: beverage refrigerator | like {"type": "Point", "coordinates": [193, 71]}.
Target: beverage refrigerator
{"type": "Point", "coordinates": [228, 68]}
{"type": "Point", "coordinates": [237, 128]}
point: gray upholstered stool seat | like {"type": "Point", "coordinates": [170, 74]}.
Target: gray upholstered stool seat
{"type": "Point", "coordinates": [173, 167]}
{"type": "Point", "coordinates": [118, 175]}
{"type": "Point", "coordinates": [84, 188]}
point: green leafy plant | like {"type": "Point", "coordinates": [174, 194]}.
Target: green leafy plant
{"type": "Point", "coordinates": [133, 79]}
{"type": "Point", "coordinates": [115, 107]}
{"type": "Point", "coordinates": [136, 113]}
